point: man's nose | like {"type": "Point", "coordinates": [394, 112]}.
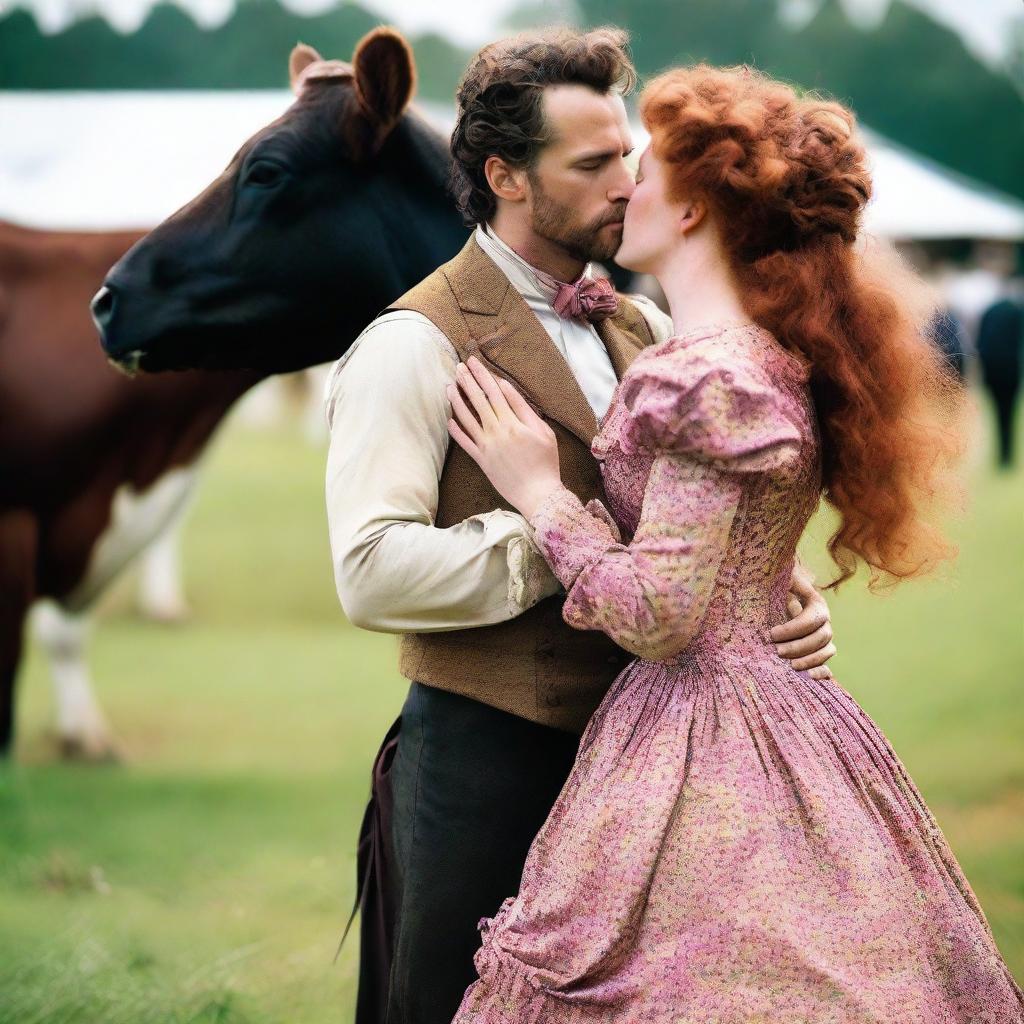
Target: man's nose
{"type": "Point", "coordinates": [624, 186]}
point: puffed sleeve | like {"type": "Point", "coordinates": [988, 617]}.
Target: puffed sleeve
{"type": "Point", "coordinates": [723, 411]}
{"type": "Point", "coordinates": [710, 424]}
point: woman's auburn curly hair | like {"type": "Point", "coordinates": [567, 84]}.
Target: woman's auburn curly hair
{"type": "Point", "coordinates": [499, 101]}
{"type": "Point", "coordinates": [784, 177]}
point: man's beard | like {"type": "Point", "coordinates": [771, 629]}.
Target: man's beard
{"type": "Point", "coordinates": [559, 223]}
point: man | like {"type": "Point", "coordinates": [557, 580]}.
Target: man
{"type": "Point", "coordinates": [422, 545]}
{"type": "Point", "coordinates": [1000, 352]}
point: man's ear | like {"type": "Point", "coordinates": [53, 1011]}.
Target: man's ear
{"type": "Point", "coordinates": [385, 77]}
{"type": "Point", "coordinates": [507, 182]}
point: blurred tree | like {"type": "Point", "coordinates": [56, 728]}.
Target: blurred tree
{"type": "Point", "coordinates": [170, 51]}
{"type": "Point", "coordinates": [251, 49]}
{"type": "Point", "coordinates": [168, 47]}
{"type": "Point", "coordinates": [668, 32]}
{"type": "Point", "coordinates": [909, 77]}
{"type": "Point", "coordinates": [439, 65]}
{"type": "Point", "coordinates": [541, 12]}
{"type": "Point", "coordinates": [915, 81]}
{"type": "Point", "coordinates": [89, 53]}
{"type": "Point", "coordinates": [1015, 58]}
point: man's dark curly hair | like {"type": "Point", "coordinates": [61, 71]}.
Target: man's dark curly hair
{"type": "Point", "coordinates": [499, 110]}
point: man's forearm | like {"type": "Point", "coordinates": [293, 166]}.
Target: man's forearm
{"type": "Point", "coordinates": [412, 577]}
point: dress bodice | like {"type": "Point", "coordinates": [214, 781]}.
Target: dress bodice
{"type": "Point", "coordinates": [668, 388]}
{"type": "Point", "coordinates": [710, 459]}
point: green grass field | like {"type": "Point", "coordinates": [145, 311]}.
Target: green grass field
{"type": "Point", "coordinates": [207, 878]}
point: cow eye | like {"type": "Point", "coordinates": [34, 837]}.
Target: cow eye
{"type": "Point", "coordinates": [263, 173]}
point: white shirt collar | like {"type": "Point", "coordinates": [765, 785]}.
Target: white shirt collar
{"type": "Point", "coordinates": [528, 280]}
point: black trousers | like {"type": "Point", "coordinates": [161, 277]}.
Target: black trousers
{"type": "Point", "coordinates": [1004, 396]}
{"type": "Point", "coordinates": [463, 793]}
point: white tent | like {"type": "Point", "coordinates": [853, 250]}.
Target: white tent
{"type": "Point", "coordinates": [916, 198]}
{"type": "Point", "coordinates": [118, 159]}
{"type": "Point", "coordinates": [128, 159]}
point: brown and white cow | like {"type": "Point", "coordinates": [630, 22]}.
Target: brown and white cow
{"type": "Point", "coordinates": [319, 221]}
{"type": "Point", "coordinates": [94, 465]}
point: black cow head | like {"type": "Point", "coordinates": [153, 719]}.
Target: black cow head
{"type": "Point", "coordinates": [320, 220]}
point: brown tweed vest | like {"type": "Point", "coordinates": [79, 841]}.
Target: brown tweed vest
{"type": "Point", "coordinates": [534, 665]}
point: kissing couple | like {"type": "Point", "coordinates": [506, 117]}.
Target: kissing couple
{"type": "Point", "coordinates": [622, 756]}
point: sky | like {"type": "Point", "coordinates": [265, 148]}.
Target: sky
{"type": "Point", "coordinates": [983, 24]}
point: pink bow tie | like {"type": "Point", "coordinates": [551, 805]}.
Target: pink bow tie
{"type": "Point", "coordinates": [588, 298]}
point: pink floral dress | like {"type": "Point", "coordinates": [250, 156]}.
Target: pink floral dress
{"type": "Point", "coordinates": [737, 842]}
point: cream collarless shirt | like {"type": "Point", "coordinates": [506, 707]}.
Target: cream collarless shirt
{"type": "Point", "coordinates": [577, 340]}
{"type": "Point", "coordinates": [388, 413]}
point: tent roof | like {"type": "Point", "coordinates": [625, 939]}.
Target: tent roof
{"type": "Point", "coordinates": [103, 160]}
{"type": "Point", "coordinates": [917, 198]}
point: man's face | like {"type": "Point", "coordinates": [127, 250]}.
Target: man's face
{"type": "Point", "coordinates": [652, 219]}
{"type": "Point", "coordinates": [579, 187]}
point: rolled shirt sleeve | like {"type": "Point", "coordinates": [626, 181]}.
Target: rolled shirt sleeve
{"type": "Point", "coordinates": [395, 571]}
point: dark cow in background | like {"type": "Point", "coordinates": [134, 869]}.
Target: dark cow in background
{"type": "Point", "coordinates": [319, 221]}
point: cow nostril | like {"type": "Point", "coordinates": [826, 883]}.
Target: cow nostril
{"type": "Point", "coordinates": [102, 306]}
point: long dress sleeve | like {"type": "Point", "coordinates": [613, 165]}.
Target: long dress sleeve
{"type": "Point", "coordinates": [709, 424]}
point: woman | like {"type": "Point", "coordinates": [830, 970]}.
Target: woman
{"type": "Point", "coordinates": [737, 841]}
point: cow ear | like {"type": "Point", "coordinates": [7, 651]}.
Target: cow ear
{"type": "Point", "coordinates": [301, 57]}
{"type": "Point", "coordinates": [385, 77]}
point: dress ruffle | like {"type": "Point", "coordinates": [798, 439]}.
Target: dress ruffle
{"type": "Point", "coordinates": [693, 397]}
{"type": "Point", "coordinates": [510, 992]}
